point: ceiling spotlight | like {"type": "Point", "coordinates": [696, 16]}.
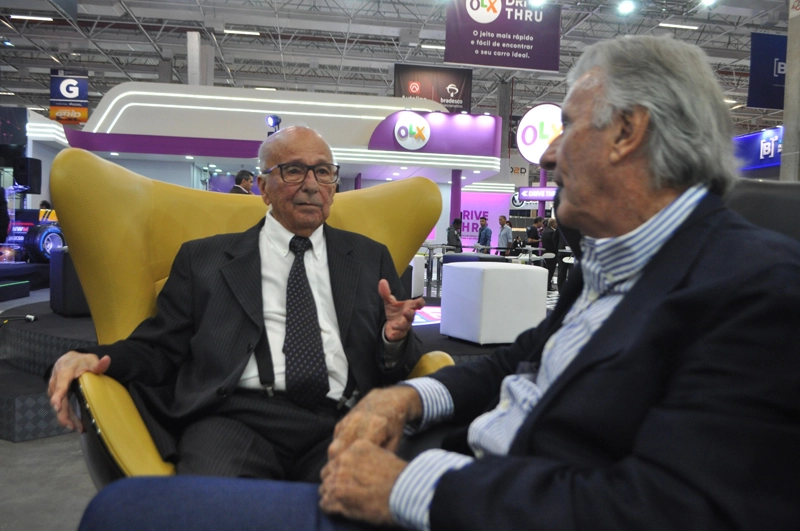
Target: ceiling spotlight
{"type": "Point", "coordinates": [626, 7]}
{"type": "Point", "coordinates": [704, 2]}
{"type": "Point", "coordinates": [463, 178]}
{"type": "Point", "coordinates": [536, 3]}
{"type": "Point", "coordinates": [388, 178]}
{"type": "Point", "coordinates": [265, 88]}
{"type": "Point", "coordinates": [6, 93]}
{"type": "Point", "coordinates": [728, 100]}
{"type": "Point", "coordinates": [8, 43]}
{"type": "Point", "coordinates": [114, 154]}
{"type": "Point", "coordinates": [189, 157]}
{"type": "Point", "coordinates": [464, 112]}
{"type": "Point", "coordinates": [432, 46]}
{"type": "Point", "coordinates": [396, 174]}
{"type": "Point", "coordinates": [212, 165]}
{"type": "Point", "coordinates": [403, 167]}
{"type": "Point", "coordinates": [476, 171]}
{"type": "Point", "coordinates": [274, 121]}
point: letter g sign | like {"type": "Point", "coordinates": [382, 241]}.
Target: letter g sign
{"type": "Point", "coordinates": [69, 88]}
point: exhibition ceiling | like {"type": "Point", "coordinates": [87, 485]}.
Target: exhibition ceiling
{"type": "Point", "coordinates": [345, 46]}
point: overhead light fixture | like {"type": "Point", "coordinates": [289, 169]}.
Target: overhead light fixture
{"type": "Point", "coordinates": [464, 112]}
{"type": "Point", "coordinates": [395, 174]}
{"type": "Point", "coordinates": [205, 168]}
{"type": "Point", "coordinates": [30, 17]}
{"type": "Point", "coordinates": [677, 26]}
{"type": "Point", "coordinates": [8, 43]}
{"type": "Point", "coordinates": [403, 167]}
{"type": "Point", "coordinates": [728, 100]}
{"type": "Point", "coordinates": [708, 2]}
{"type": "Point", "coordinates": [449, 182]}
{"type": "Point", "coordinates": [432, 46]}
{"type": "Point", "coordinates": [114, 154]}
{"type": "Point", "coordinates": [476, 171]}
{"type": "Point", "coordinates": [189, 157]}
{"type": "Point", "coordinates": [265, 88]}
{"type": "Point", "coordinates": [212, 165]}
{"type": "Point", "coordinates": [737, 107]}
{"type": "Point", "coordinates": [6, 93]}
{"type": "Point", "coordinates": [274, 121]}
{"type": "Point", "coordinates": [537, 3]}
{"type": "Point", "coordinates": [388, 178]}
{"type": "Point", "coordinates": [626, 7]}
{"type": "Point", "coordinates": [463, 178]}
{"type": "Point", "coordinates": [487, 114]}
{"type": "Point", "coordinates": [241, 32]}
{"type": "Point", "coordinates": [36, 109]}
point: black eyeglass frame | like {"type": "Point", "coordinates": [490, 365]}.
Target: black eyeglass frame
{"type": "Point", "coordinates": [305, 173]}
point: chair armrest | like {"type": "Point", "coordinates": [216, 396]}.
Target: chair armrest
{"type": "Point", "coordinates": [120, 427]}
{"type": "Point", "coordinates": [430, 363]}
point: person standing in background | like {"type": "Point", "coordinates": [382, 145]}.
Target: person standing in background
{"type": "Point", "coordinates": [454, 236]}
{"type": "Point", "coordinates": [243, 183]}
{"type": "Point", "coordinates": [504, 240]}
{"type": "Point", "coordinates": [484, 236]}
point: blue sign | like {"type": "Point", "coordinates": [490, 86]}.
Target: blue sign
{"type": "Point", "coordinates": [767, 71]}
{"type": "Point", "coordinates": [68, 88]}
{"type": "Point", "coordinates": [759, 150]}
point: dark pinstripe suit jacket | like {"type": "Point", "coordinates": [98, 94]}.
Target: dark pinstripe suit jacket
{"type": "Point", "coordinates": [188, 357]}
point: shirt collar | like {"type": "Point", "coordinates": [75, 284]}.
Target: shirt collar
{"type": "Point", "coordinates": [279, 236]}
{"type": "Point", "coordinates": [607, 262]}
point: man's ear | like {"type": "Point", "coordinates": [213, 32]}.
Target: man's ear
{"type": "Point", "coordinates": [262, 188]}
{"type": "Point", "coordinates": [631, 132]}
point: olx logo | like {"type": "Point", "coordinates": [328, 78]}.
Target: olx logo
{"type": "Point", "coordinates": [483, 11]}
{"type": "Point", "coordinates": [411, 130]}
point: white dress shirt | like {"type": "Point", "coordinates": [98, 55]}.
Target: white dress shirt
{"type": "Point", "coordinates": [276, 261]}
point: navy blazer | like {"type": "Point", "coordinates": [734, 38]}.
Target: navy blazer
{"type": "Point", "coordinates": [191, 355]}
{"type": "Point", "coordinates": [682, 411]}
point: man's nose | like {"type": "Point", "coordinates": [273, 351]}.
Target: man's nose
{"type": "Point", "coordinates": [310, 182]}
{"type": "Point", "coordinates": [548, 159]}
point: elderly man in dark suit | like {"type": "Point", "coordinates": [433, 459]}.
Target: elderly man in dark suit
{"type": "Point", "coordinates": [663, 392]}
{"type": "Point", "coordinates": [262, 339]}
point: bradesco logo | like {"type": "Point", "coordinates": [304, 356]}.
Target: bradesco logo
{"type": "Point", "coordinates": [540, 126]}
{"type": "Point", "coordinates": [411, 130]}
{"type": "Point", "coordinates": [484, 11]}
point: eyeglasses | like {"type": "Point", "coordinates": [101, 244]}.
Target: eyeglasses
{"type": "Point", "coordinates": [295, 172]}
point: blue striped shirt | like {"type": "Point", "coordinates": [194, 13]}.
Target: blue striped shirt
{"type": "Point", "coordinates": [611, 267]}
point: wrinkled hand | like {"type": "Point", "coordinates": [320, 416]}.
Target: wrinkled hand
{"type": "Point", "coordinates": [378, 418]}
{"type": "Point", "coordinates": [66, 369]}
{"type": "Point", "coordinates": [399, 314]}
{"type": "Point", "coordinates": [357, 483]}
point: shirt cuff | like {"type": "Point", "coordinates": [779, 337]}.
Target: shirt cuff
{"type": "Point", "coordinates": [412, 493]}
{"type": "Point", "coordinates": [392, 350]}
{"type": "Point", "coordinates": [437, 403]}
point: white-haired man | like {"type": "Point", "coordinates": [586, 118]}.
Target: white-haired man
{"type": "Point", "coordinates": [662, 392]}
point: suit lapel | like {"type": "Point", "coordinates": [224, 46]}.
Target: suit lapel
{"type": "Point", "coordinates": [243, 273]}
{"type": "Point", "coordinates": [664, 272]}
{"type": "Point", "coordinates": [344, 273]}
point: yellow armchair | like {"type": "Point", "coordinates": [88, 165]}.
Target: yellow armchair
{"type": "Point", "coordinates": [124, 231]}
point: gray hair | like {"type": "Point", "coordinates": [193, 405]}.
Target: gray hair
{"type": "Point", "coordinates": [691, 131]}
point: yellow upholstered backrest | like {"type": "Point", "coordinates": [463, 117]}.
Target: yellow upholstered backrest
{"type": "Point", "coordinates": [124, 230]}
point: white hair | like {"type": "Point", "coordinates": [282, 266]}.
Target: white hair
{"type": "Point", "coordinates": [690, 135]}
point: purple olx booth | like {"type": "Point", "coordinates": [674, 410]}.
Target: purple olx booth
{"type": "Point", "coordinates": [440, 133]}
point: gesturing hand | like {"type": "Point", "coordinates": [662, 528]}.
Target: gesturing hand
{"type": "Point", "coordinates": [399, 314]}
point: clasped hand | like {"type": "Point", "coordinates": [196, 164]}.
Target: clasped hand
{"type": "Point", "coordinates": [362, 466]}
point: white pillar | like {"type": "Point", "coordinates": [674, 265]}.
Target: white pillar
{"type": "Point", "coordinates": [193, 56]}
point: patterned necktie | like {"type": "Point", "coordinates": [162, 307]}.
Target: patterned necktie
{"type": "Point", "coordinates": [306, 372]}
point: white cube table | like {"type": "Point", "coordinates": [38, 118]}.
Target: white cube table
{"type": "Point", "coordinates": [492, 302]}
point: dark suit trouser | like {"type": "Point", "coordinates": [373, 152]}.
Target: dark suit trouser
{"type": "Point", "coordinates": [550, 263]}
{"type": "Point", "coordinates": [253, 435]}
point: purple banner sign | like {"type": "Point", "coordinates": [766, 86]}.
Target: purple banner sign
{"type": "Point", "coordinates": [537, 194]}
{"type": "Point", "coordinates": [477, 204]}
{"type": "Point", "coordinates": [439, 132]}
{"type": "Point", "coordinates": [503, 33]}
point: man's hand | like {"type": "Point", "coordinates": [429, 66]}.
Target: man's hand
{"type": "Point", "coordinates": [399, 314]}
{"type": "Point", "coordinates": [66, 369]}
{"type": "Point", "coordinates": [378, 418]}
{"type": "Point", "coordinates": [358, 482]}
